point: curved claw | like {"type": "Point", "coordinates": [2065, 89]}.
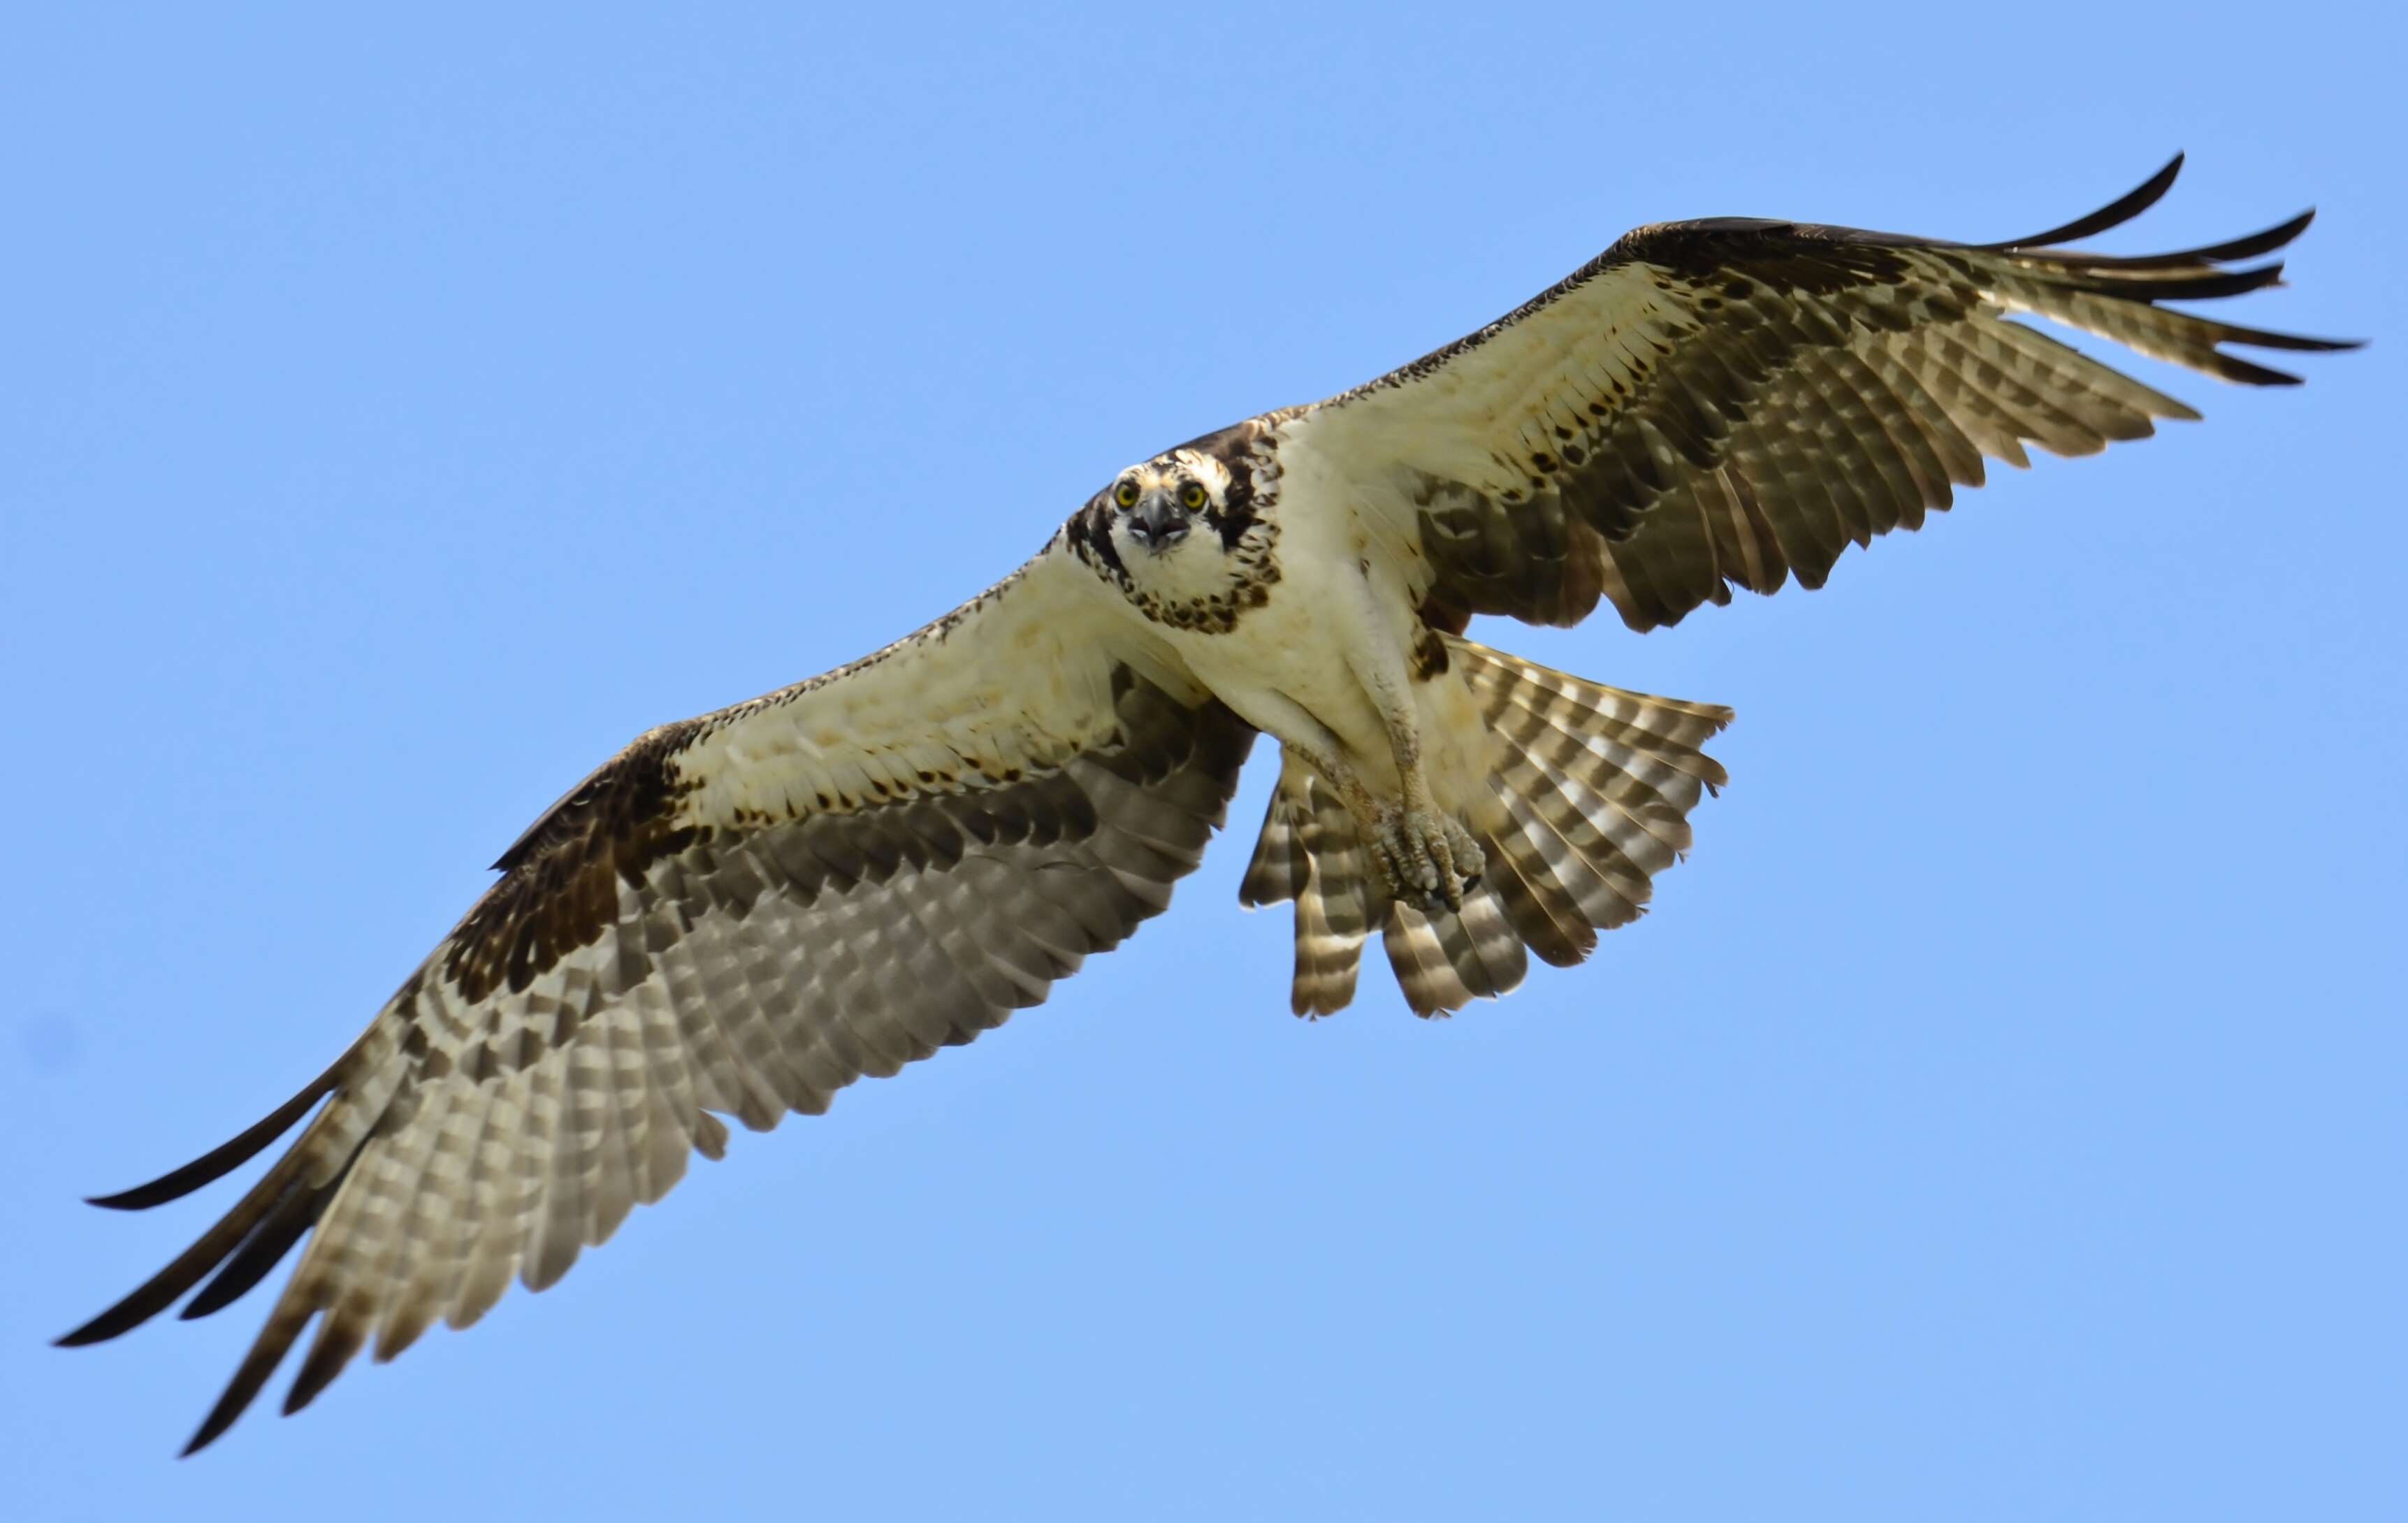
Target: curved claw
{"type": "Point", "coordinates": [1426, 857]}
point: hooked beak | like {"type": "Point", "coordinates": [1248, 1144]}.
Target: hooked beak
{"type": "Point", "coordinates": [1158, 522]}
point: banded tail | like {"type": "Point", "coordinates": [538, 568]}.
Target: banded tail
{"type": "Point", "coordinates": [1595, 788]}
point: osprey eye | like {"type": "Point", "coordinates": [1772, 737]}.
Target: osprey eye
{"type": "Point", "coordinates": [1191, 497]}
{"type": "Point", "coordinates": [1125, 493]}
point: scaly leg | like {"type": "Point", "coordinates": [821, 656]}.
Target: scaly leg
{"type": "Point", "coordinates": [1318, 747]}
{"type": "Point", "coordinates": [1424, 852]}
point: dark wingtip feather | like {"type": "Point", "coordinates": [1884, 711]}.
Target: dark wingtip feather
{"type": "Point", "coordinates": [2230, 369]}
{"type": "Point", "coordinates": [264, 1247]}
{"type": "Point", "coordinates": [159, 1292]}
{"type": "Point", "coordinates": [2293, 340]}
{"type": "Point", "coordinates": [2248, 246]}
{"type": "Point", "coordinates": [2208, 284]}
{"type": "Point", "coordinates": [260, 1219]}
{"type": "Point", "coordinates": [223, 1159]}
{"type": "Point", "coordinates": [2266, 338]}
{"type": "Point", "coordinates": [229, 1407]}
{"type": "Point", "coordinates": [2122, 210]}
{"type": "Point", "coordinates": [339, 1338]}
{"type": "Point", "coordinates": [131, 1313]}
{"type": "Point", "coordinates": [275, 1341]}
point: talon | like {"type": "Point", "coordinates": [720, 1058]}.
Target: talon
{"type": "Point", "coordinates": [1426, 857]}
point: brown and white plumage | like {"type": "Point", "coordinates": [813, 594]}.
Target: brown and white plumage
{"type": "Point", "coordinates": [740, 915]}
{"type": "Point", "coordinates": [1731, 402]}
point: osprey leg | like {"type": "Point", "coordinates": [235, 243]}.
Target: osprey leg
{"type": "Point", "coordinates": [1422, 850]}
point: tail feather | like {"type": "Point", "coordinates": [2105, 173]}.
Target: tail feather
{"type": "Point", "coordinates": [1605, 899]}
{"type": "Point", "coordinates": [1594, 786]}
{"type": "Point", "coordinates": [1548, 919]}
{"type": "Point", "coordinates": [1311, 852]}
{"type": "Point", "coordinates": [1650, 741]}
{"type": "Point", "coordinates": [1615, 845]}
{"type": "Point", "coordinates": [1280, 865]}
{"type": "Point", "coordinates": [1443, 961]}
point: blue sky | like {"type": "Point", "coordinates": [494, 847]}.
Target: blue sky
{"type": "Point", "coordinates": [1999, 1116]}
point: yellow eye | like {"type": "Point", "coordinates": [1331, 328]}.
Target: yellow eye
{"type": "Point", "coordinates": [1125, 493]}
{"type": "Point", "coordinates": [1191, 497]}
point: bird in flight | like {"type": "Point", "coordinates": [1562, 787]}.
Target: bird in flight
{"type": "Point", "coordinates": [740, 915]}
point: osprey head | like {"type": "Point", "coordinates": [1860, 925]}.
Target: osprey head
{"type": "Point", "coordinates": [1155, 505]}
{"type": "Point", "coordinates": [1185, 536]}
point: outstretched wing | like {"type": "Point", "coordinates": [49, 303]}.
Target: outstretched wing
{"type": "Point", "coordinates": [1729, 403]}
{"type": "Point", "coordinates": [741, 914]}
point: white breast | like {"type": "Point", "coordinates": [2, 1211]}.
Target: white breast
{"type": "Point", "coordinates": [1342, 607]}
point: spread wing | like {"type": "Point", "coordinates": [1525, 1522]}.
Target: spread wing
{"type": "Point", "coordinates": [740, 915]}
{"type": "Point", "coordinates": [1729, 403]}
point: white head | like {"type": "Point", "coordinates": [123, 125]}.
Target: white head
{"type": "Point", "coordinates": [1184, 535]}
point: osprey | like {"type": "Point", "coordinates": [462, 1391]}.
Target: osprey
{"type": "Point", "coordinates": [740, 915]}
